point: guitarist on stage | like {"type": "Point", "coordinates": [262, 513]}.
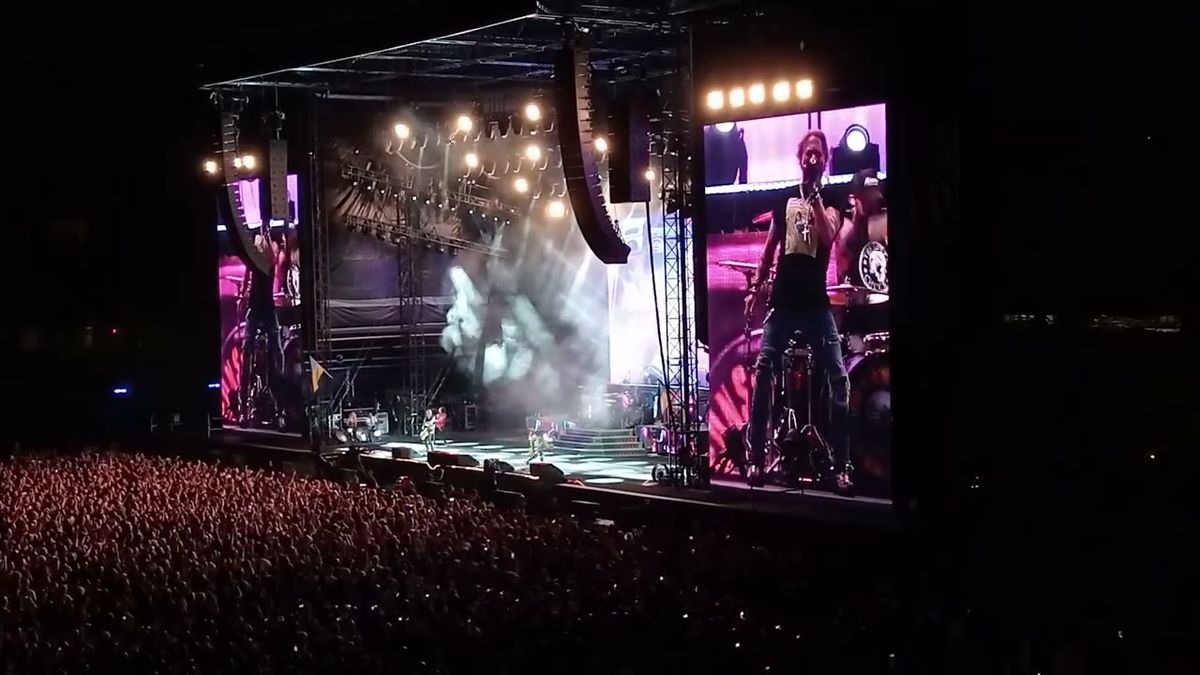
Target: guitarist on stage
{"type": "Point", "coordinates": [429, 430]}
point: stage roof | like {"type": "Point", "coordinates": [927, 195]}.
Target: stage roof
{"type": "Point", "coordinates": [626, 43]}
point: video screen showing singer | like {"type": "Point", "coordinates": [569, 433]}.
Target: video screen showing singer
{"type": "Point", "coordinates": [798, 248]}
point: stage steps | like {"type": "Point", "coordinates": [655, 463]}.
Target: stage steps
{"type": "Point", "coordinates": [612, 442]}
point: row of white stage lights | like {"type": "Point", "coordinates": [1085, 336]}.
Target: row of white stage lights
{"type": "Point", "coordinates": [756, 94]}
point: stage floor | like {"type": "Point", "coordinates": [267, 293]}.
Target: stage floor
{"type": "Point", "coordinates": [620, 474]}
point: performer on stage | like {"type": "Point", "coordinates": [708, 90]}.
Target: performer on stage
{"type": "Point", "coordinates": [260, 318]}
{"type": "Point", "coordinates": [867, 223]}
{"type": "Point", "coordinates": [806, 229]}
{"type": "Point", "coordinates": [429, 430]}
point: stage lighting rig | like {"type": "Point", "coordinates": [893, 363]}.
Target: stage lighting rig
{"type": "Point", "coordinates": [533, 112]}
{"type": "Point", "coordinates": [601, 144]}
{"type": "Point", "coordinates": [715, 99]}
{"type": "Point", "coordinates": [472, 160]}
{"type": "Point", "coordinates": [781, 91]}
{"type": "Point", "coordinates": [402, 130]}
{"type": "Point", "coordinates": [650, 175]}
{"type": "Point", "coordinates": [804, 89]}
{"type": "Point", "coordinates": [855, 152]}
{"type": "Point", "coordinates": [521, 184]}
{"type": "Point", "coordinates": [464, 124]}
{"type": "Point", "coordinates": [757, 93]}
{"type": "Point", "coordinates": [211, 167]}
{"type": "Point", "coordinates": [737, 97]}
{"type": "Point", "coordinates": [532, 152]}
{"type": "Point", "coordinates": [556, 209]}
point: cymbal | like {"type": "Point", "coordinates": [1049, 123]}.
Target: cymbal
{"type": "Point", "coordinates": [843, 294]}
{"type": "Point", "coordinates": [737, 265]}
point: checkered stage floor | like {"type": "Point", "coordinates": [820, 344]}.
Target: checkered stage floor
{"type": "Point", "coordinates": [591, 469]}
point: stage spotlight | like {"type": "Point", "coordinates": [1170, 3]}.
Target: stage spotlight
{"type": "Point", "coordinates": [211, 167]}
{"type": "Point", "coordinates": [804, 88]}
{"type": "Point", "coordinates": [532, 152]}
{"type": "Point", "coordinates": [737, 97]}
{"type": "Point", "coordinates": [249, 162]}
{"type": "Point", "coordinates": [521, 185]}
{"type": "Point", "coordinates": [556, 209]}
{"type": "Point", "coordinates": [716, 99]}
{"type": "Point", "coordinates": [601, 144]}
{"type": "Point", "coordinates": [472, 160]}
{"type": "Point", "coordinates": [465, 123]}
{"type": "Point", "coordinates": [650, 175]}
{"type": "Point", "coordinates": [533, 113]}
{"type": "Point", "coordinates": [856, 138]}
{"type": "Point", "coordinates": [725, 127]}
{"type": "Point", "coordinates": [402, 130]}
{"type": "Point", "coordinates": [757, 93]}
{"type": "Point", "coordinates": [782, 90]}
{"type": "Point", "coordinates": [237, 162]}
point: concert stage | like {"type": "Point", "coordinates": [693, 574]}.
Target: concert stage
{"type": "Point", "coordinates": [620, 482]}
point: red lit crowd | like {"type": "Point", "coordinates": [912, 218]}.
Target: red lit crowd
{"type": "Point", "coordinates": [113, 562]}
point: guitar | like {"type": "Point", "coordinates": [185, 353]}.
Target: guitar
{"type": "Point", "coordinates": [428, 429]}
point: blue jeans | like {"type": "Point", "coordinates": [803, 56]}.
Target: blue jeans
{"type": "Point", "coordinates": [820, 332]}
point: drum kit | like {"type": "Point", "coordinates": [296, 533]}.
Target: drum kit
{"type": "Point", "coordinates": [798, 452]}
{"type": "Point", "coordinates": [265, 403]}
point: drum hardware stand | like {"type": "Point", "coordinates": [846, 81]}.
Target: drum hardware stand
{"type": "Point", "coordinates": [816, 444]}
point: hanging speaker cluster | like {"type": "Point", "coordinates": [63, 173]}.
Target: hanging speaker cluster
{"type": "Point", "coordinates": [243, 239]}
{"type": "Point", "coordinates": [574, 103]}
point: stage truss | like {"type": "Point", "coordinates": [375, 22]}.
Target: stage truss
{"type": "Point", "coordinates": [628, 44]}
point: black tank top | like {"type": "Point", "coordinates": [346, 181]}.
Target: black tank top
{"type": "Point", "coordinates": [800, 276]}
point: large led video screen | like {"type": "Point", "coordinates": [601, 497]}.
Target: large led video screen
{"type": "Point", "coordinates": [261, 369]}
{"type": "Point", "coordinates": [800, 378]}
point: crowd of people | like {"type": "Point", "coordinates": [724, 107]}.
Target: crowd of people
{"type": "Point", "coordinates": [114, 562]}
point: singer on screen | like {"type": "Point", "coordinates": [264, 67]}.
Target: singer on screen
{"type": "Point", "coordinates": [803, 233]}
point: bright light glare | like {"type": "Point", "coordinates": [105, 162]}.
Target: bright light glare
{"type": "Point", "coordinates": [465, 123]}
{"type": "Point", "coordinates": [472, 160]}
{"type": "Point", "coordinates": [737, 97]}
{"type": "Point", "coordinates": [237, 162]}
{"type": "Point", "coordinates": [716, 99]}
{"type": "Point", "coordinates": [532, 112]}
{"type": "Point", "coordinates": [556, 209]}
{"type": "Point", "coordinates": [724, 127]}
{"type": "Point", "coordinates": [521, 185]}
{"type": "Point", "coordinates": [781, 91]}
{"type": "Point", "coordinates": [601, 144]}
{"type": "Point", "coordinates": [532, 152]}
{"type": "Point", "coordinates": [249, 162]}
{"type": "Point", "coordinates": [856, 139]}
{"type": "Point", "coordinates": [804, 88]}
{"type": "Point", "coordinates": [210, 167]}
{"type": "Point", "coordinates": [650, 175]}
{"type": "Point", "coordinates": [402, 130]}
{"type": "Point", "coordinates": [758, 93]}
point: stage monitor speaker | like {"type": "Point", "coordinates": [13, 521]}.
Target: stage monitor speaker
{"type": "Point", "coordinates": [233, 212]}
{"type": "Point", "coordinates": [277, 169]}
{"type": "Point", "coordinates": [547, 472]}
{"type": "Point", "coordinates": [629, 151]}
{"type": "Point", "coordinates": [573, 100]}
{"type": "Point", "coordinates": [403, 452]}
{"type": "Point", "coordinates": [443, 458]}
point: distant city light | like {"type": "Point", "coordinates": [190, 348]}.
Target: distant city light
{"type": "Point", "coordinates": [214, 385]}
{"type": "Point", "coordinates": [120, 391]}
